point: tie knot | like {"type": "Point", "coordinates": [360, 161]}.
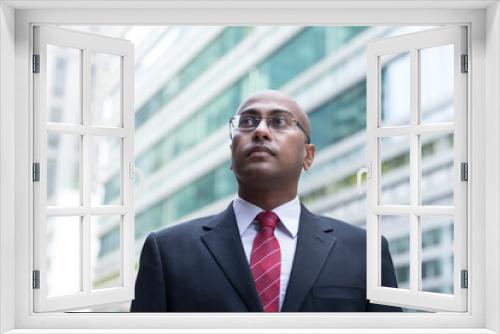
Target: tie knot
{"type": "Point", "coordinates": [268, 219]}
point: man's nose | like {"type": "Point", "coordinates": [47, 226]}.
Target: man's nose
{"type": "Point", "coordinates": [262, 130]}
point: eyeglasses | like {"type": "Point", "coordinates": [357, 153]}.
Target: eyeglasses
{"type": "Point", "coordinates": [278, 123]}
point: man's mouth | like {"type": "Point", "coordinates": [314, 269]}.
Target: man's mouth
{"type": "Point", "coordinates": [260, 151]}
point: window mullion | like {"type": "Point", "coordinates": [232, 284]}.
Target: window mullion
{"type": "Point", "coordinates": [81, 211]}
{"type": "Point", "coordinates": [417, 128]}
{"type": "Point", "coordinates": [127, 158]}
{"type": "Point", "coordinates": [415, 251]}
{"type": "Point", "coordinates": [88, 129]}
{"type": "Point", "coordinates": [86, 171]}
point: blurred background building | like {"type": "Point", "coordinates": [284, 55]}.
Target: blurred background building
{"type": "Point", "coordinates": [189, 81]}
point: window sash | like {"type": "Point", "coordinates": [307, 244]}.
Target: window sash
{"type": "Point", "coordinates": [414, 297]}
{"type": "Point", "coordinates": [86, 43]}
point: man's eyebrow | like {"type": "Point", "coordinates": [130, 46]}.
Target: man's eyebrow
{"type": "Point", "coordinates": [272, 112]}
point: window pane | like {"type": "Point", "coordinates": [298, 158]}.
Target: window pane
{"type": "Point", "coordinates": [105, 83]}
{"type": "Point", "coordinates": [436, 84]}
{"type": "Point", "coordinates": [394, 167]}
{"type": "Point", "coordinates": [63, 255]}
{"type": "Point", "coordinates": [63, 84]}
{"type": "Point", "coordinates": [396, 229]}
{"type": "Point", "coordinates": [437, 168]}
{"type": "Point", "coordinates": [395, 89]}
{"type": "Point", "coordinates": [106, 252]}
{"type": "Point", "coordinates": [63, 169]}
{"type": "Point", "coordinates": [437, 254]}
{"type": "Point", "coordinates": [106, 164]}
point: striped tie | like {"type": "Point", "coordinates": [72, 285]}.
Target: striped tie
{"type": "Point", "coordinates": [265, 262]}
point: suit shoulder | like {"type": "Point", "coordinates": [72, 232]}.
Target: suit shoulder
{"type": "Point", "coordinates": [340, 226]}
{"type": "Point", "coordinates": [188, 228]}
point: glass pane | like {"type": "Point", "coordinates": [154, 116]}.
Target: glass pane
{"type": "Point", "coordinates": [394, 167]}
{"type": "Point", "coordinates": [106, 166]}
{"type": "Point", "coordinates": [437, 168]}
{"type": "Point", "coordinates": [395, 89]}
{"type": "Point", "coordinates": [437, 254]}
{"type": "Point", "coordinates": [64, 84]}
{"type": "Point", "coordinates": [436, 84]}
{"type": "Point", "coordinates": [105, 83]}
{"type": "Point", "coordinates": [396, 229]}
{"type": "Point", "coordinates": [63, 255]}
{"type": "Point", "coordinates": [106, 254]}
{"type": "Point", "coordinates": [63, 169]}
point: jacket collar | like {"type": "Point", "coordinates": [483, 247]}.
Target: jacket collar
{"type": "Point", "coordinates": [314, 244]}
{"type": "Point", "coordinates": [224, 243]}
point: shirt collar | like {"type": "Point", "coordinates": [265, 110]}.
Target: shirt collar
{"type": "Point", "coordinates": [288, 213]}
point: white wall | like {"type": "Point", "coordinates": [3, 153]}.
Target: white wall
{"type": "Point", "coordinates": [492, 127]}
{"type": "Point", "coordinates": [6, 167]}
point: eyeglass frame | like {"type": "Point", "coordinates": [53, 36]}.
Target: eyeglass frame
{"type": "Point", "coordinates": [267, 123]}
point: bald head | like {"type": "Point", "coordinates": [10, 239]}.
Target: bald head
{"type": "Point", "coordinates": [280, 100]}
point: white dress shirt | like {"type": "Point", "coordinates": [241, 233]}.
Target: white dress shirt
{"type": "Point", "coordinates": [285, 232]}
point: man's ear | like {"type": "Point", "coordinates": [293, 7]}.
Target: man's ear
{"type": "Point", "coordinates": [231, 149]}
{"type": "Point", "coordinates": [309, 158]}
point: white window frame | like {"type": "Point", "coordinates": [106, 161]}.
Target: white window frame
{"type": "Point", "coordinates": [16, 19]}
{"type": "Point", "coordinates": [87, 43]}
{"type": "Point", "coordinates": [412, 44]}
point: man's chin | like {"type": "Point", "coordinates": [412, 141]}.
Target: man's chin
{"type": "Point", "coordinates": [258, 173]}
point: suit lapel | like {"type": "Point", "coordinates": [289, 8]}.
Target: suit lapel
{"type": "Point", "coordinates": [314, 244]}
{"type": "Point", "coordinates": [224, 243]}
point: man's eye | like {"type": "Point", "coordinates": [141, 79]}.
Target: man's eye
{"type": "Point", "coordinates": [246, 122]}
{"type": "Point", "coordinates": [279, 121]}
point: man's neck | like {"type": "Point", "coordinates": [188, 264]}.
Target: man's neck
{"type": "Point", "coordinates": [267, 199]}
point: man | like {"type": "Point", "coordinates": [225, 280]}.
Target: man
{"type": "Point", "coordinates": [265, 251]}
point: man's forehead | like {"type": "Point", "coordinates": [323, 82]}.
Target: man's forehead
{"type": "Point", "coordinates": [266, 103]}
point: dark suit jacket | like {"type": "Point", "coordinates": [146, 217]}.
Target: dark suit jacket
{"type": "Point", "coordinates": [200, 266]}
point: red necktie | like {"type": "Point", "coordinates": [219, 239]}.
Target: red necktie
{"type": "Point", "coordinates": [265, 262]}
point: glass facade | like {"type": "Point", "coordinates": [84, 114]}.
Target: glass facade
{"type": "Point", "coordinates": [340, 117]}
{"type": "Point", "coordinates": [215, 50]}
{"type": "Point", "coordinates": [300, 53]}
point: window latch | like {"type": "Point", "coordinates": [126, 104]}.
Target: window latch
{"type": "Point", "coordinates": [363, 170]}
{"type": "Point", "coordinates": [135, 171]}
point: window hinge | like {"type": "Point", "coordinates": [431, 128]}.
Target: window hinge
{"type": "Point", "coordinates": [36, 63]}
{"type": "Point", "coordinates": [36, 279]}
{"type": "Point", "coordinates": [464, 279]}
{"type": "Point", "coordinates": [36, 172]}
{"type": "Point", "coordinates": [465, 64]}
{"type": "Point", "coordinates": [464, 171]}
